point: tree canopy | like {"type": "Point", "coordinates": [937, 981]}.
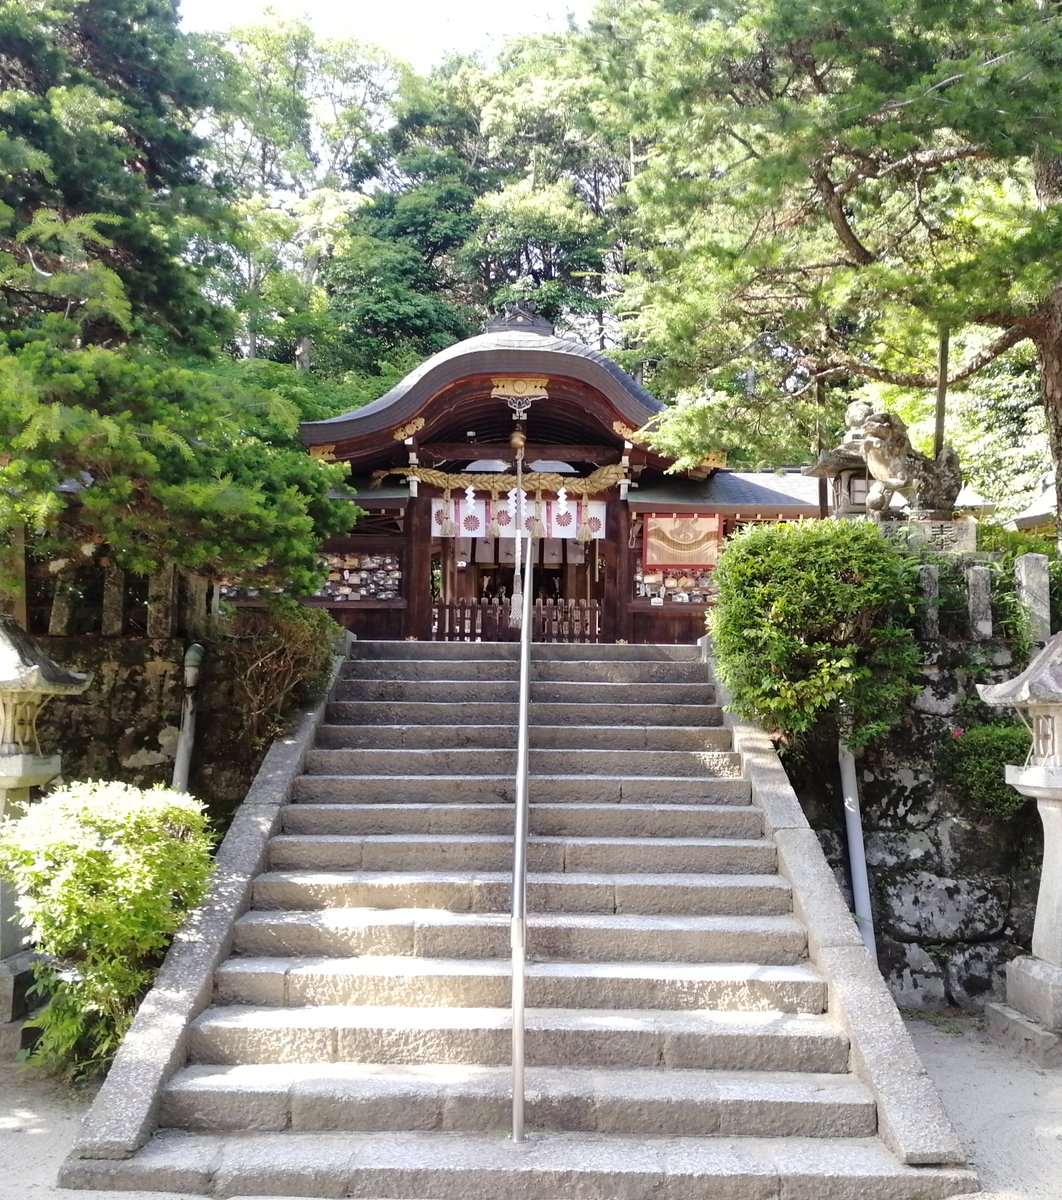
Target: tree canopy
{"type": "Point", "coordinates": [766, 208]}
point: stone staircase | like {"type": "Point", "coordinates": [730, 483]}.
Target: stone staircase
{"type": "Point", "coordinates": [678, 1039]}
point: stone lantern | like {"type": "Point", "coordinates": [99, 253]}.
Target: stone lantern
{"type": "Point", "coordinates": [28, 680]}
{"type": "Point", "coordinates": [1032, 1016]}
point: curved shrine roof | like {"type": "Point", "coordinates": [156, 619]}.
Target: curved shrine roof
{"type": "Point", "coordinates": [504, 353]}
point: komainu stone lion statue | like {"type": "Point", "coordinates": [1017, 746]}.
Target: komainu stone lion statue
{"type": "Point", "coordinates": [928, 484]}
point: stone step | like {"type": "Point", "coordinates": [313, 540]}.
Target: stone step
{"type": "Point", "coordinates": [492, 852]}
{"type": "Point", "coordinates": [486, 983]}
{"type": "Point", "coordinates": [491, 892]}
{"type": "Point", "coordinates": [591, 670]}
{"type": "Point", "coordinates": [466, 1166]}
{"type": "Point", "coordinates": [451, 692]}
{"type": "Point", "coordinates": [571, 937]}
{"type": "Point", "coordinates": [441, 712]}
{"type": "Point", "coordinates": [577, 670]}
{"type": "Point", "coordinates": [545, 789]}
{"type": "Point", "coordinates": [588, 692]}
{"type": "Point", "coordinates": [441, 1096]}
{"type": "Point", "coordinates": [543, 737]}
{"type": "Point", "coordinates": [454, 651]}
{"type": "Point", "coordinates": [462, 691]}
{"type": "Point", "coordinates": [468, 669]}
{"type": "Point", "coordinates": [556, 820]}
{"type": "Point", "coordinates": [612, 651]}
{"type": "Point", "coordinates": [628, 1038]}
{"type": "Point", "coordinates": [475, 762]}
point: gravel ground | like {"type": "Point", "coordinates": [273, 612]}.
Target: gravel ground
{"type": "Point", "coordinates": [1007, 1112]}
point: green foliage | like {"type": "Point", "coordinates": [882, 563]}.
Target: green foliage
{"type": "Point", "coordinates": [104, 874]}
{"type": "Point", "coordinates": [814, 629]}
{"type": "Point", "coordinates": [281, 655]}
{"type": "Point", "coordinates": [842, 178]}
{"type": "Point", "coordinates": [98, 103]}
{"type": "Point", "coordinates": [1010, 544]}
{"type": "Point", "coordinates": [169, 465]}
{"type": "Point", "coordinates": [974, 760]}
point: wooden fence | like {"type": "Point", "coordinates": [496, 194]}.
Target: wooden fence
{"type": "Point", "coordinates": [488, 621]}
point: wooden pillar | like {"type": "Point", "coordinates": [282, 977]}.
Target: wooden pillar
{"type": "Point", "coordinates": [622, 575]}
{"type": "Point", "coordinates": [418, 568]}
{"type": "Point", "coordinates": [162, 606]}
{"type": "Point", "coordinates": [112, 623]}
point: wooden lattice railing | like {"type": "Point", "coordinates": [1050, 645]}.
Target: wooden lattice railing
{"type": "Point", "coordinates": [488, 621]}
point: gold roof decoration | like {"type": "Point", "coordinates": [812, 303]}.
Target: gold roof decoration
{"type": "Point", "coordinates": [520, 388]}
{"type": "Point", "coordinates": [324, 453]}
{"type": "Point", "coordinates": [409, 429]}
{"type": "Point", "coordinates": [499, 485]}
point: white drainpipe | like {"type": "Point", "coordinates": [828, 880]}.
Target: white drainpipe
{"type": "Point", "coordinates": [857, 857]}
{"type": "Point", "coordinates": [193, 658]}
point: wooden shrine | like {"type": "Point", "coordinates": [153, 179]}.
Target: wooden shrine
{"type": "Point", "coordinates": [623, 551]}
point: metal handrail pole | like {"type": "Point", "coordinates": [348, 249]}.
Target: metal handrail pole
{"type": "Point", "coordinates": [518, 933]}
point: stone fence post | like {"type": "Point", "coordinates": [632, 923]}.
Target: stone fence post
{"type": "Point", "coordinates": [1034, 593]}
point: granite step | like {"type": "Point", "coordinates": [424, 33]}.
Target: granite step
{"type": "Point", "coordinates": [544, 789]}
{"type": "Point", "coordinates": [441, 1096]}
{"type": "Point", "coordinates": [491, 892]}
{"type": "Point", "coordinates": [543, 737]}
{"type": "Point", "coordinates": [628, 1038]}
{"type": "Point", "coordinates": [620, 713]}
{"type": "Point", "coordinates": [584, 691]}
{"type": "Point", "coordinates": [466, 1166]}
{"type": "Point", "coordinates": [557, 820]}
{"type": "Point", "coordinates": [417, 669]}
{"type": "Point", "coordinates": [485, 983]}
{"type": "Point", "coordinates": [473, 762]}
{"type": "Point", "coordinates": [570, 937]}
{"type": "Point", "coordinates": [617, 671]}
{"type": "Point", "coordinates": [612, 651]}
{"type": "Point", "coordinates": [494, 852]}
{"type": "Point", "coordinates": [461, 691]}
{"type": "Point", "coordinates": [455, 651]}
{"type": "Point", "coordinates": [451, 692]}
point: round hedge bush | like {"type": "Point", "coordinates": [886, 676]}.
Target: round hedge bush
{"type": "Point", "coordinates": [814, 628]}
{"type": "Point", "coordinates": [104, 874]}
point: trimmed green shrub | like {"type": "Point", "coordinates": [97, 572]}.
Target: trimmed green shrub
{"type": "Point", "coordinates": [973, 762]}
{"type": "Point", "coordinates": [814, 628]}
{"type": "Point", "coordinates": [104, 874]}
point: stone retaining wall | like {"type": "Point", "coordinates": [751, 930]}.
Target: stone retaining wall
{"type": "Point", "coordinates": [953, 894]}
{"type": "Point", "coordinates": [125, 726]}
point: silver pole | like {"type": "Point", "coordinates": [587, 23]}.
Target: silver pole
{"type": "Point", "coordinates": [518, 934]}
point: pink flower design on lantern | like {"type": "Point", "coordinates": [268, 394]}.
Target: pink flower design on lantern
{"type": "Point", "coordinates": [563, 519]}
{"type": "Point", "coordinates": [529, 523]}
{"type": "Point", "coordinates": [438, 516]}
{"type": "Point", "coordinates": [471, 523]}
{"type": "Point", "coordinates": [504, 518]}
{"type": "Point", "coordinates": [594, 523]}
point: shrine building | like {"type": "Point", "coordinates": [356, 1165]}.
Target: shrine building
{"type": "Point", "coordinates": [623, 550]}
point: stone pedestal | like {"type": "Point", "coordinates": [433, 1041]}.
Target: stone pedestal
{"type": "Point", "coordinates": [19, 773]}
{"type": "Point", "coordinates": [1031, 1019]}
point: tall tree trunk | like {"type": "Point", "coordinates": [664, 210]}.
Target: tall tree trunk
{"type": "Point", "coordinates": [1046, 336]}
{"type": "Point", "coordinates": [1047, 333]}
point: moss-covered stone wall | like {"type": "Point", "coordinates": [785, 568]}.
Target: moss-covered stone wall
{"type": "Point", "coordinates": [954, 893]}
{"type": "Point", "coordinates": [126, 725]}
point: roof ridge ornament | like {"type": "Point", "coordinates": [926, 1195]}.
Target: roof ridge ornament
{"type": "Point", "coordinates": [520, 314]}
